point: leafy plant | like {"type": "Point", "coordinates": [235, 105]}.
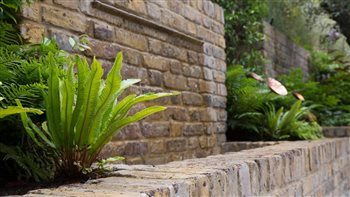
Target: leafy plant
{"type": "Point", "coordinates": [83, 112]}
{"type": "Point", "coordinates": [28, 163]}
{"type": "Point", "coordinates": [246, 97]}
{"type": "Point", "coordinates": [252, 113]}
{"type": "Point", "coordinates": [283, 125]}
{"type": "Point", "coordinates": [243, 31]}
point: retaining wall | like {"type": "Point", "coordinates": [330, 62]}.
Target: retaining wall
{"type": "Point", "coordinates": [282, 54]}
{"type": "Point", "coordinates": [170, 45]}
{"type": "Point", "coordinates": [300, 168]}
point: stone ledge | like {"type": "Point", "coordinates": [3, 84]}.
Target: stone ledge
{"type": "Point", "coordinates": [243, 145]}
{"type": "Point", "coordinates": [288, 168]}
{"type": "Point", "coordinates": [341, 131]}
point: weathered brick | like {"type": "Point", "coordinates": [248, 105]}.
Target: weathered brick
{"type": "Point", "coordinates": [32, 11]}
{"type": "Point", "coordinates": [134, 160]}
{"type": "Point", "coordinates": [192, 14]}
{"type": "Point", "coordinates": [193, 143]}
{"type": "Point", "coordinates": [219, 76]}
{"type": "Point", "coordinates": [131, 132]}
{"type": "Point", "coordinates": [194, 129]}
{"type": "Point", "coordinates": [135, 73]}
{"type": "Point", "coordinates": [192, 98]}
{"type": "Point", "coordinates": [207, 22]}
{"type": "Point", "coordinates": [222, 90]}
{"type": "Point", "coordinates": [136, 148]}
{"type": "Point", "coordinates": [155, 62]}
{"type": "Point", "coordinates": [67, 4]}
{"type": "Point", "coordinates": [131, 39]}
{"type": "Point", "coordinates": [177, 113]}
{"type": "Point", "coordinates": [103, 31]}
{"type": "Point", "coordinates": [192, 71]}
{"type": "Point", "coordinates": [137, 6]}
{"type": "Point", "coordinates": [153, 11]}
{"type": "Point", "coordinates": [157, 146]}
{"type": "Point", "coordinates": [194, 114]}
{"type": "Point", "coordinates": [192, 57]}
{"type": "Point", "coordinates": [176, 129]}
{"type": "Point", "coordinates": [176, 145]}
{"type": "Point", "coordinates": [214, 101]}
{"type": "Point", "coordinates": [264, 178]}
{"type": "Point", "coordinates": [207, 87]}
{"type": "Point", "coordinates": [209, 61]}
{"type": "Point", "coordinates": [193, 84]}
{"type": "Point", "coordinates": [207, 141]}
{"type": "Point", "coordinates": [208, 74]}
{"type": "Point", "coordinates": [66, 19]}
{"type": "Point", "coordinates": [175, 67]}
{"type": "Point", "coordinates": [209, 9]}
{"type": "Point", "coordinates": [32, 32]}
{"type": "Point", "coordinates": [176, 100]}
{"type": "Point", "coordinates": [176, 82]}
{"type": "Point", "coordinates": [155, 129]}
{"type": "Point", "coordinates": [220, 65]}
{"type": "Point", "coordinates": [192, 28]}
{"type": "Point", "coordinates": [222, 115]}
{"type": "Point", "coordinates": [208, 115]}
{"type": "Point", "coordinates": [102, 49]}
{"type": "Point", "coordinates": [132, 56]}
{"type": "Point", "coordinates": [219, 53]}
{"type": "Point", "coordinates": [155, 77]}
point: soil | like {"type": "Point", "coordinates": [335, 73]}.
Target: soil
{"type": "Point", "coordinates": [22, 187]}
{"type": "Point", "coordinates": [18, 187]}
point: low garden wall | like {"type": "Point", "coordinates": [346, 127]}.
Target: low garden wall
{"type": "Point", "coordinates": [343, 131]}
{"type": "Point", "coordinates": [308, 168]}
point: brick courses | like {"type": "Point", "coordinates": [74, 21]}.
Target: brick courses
{"type": "Point", "coordinates": [170, 46]}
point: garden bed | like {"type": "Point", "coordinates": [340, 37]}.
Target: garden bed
{"type": "Point", "coordinates": [287, 168]}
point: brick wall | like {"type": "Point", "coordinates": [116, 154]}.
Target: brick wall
{"type": "Point", "coordinates": [299, 168]}
{"type": "Point", "coordinates": [170, 45]}
{"type": "Point", "coordinates": [282, 54]}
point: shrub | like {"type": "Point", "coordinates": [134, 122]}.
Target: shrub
{"type": "Point", "coordinates": [24, 74]}
{"type": "Point", "coordinates": [243, 31]}
{"type": "Point", "coordinates": [83, 113]}
{"type": "Point", "coordinates": [252, 114]}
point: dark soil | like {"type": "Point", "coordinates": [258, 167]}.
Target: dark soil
{"type": "Point", "coordinates": [18, 187]}
{"type": "Point", "coordinates": [22, 187]}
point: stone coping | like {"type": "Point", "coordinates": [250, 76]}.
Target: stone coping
{"type": "Point", "coordinates": [298, 168]}
{"type": "Point", "coordinates": [235, 146]}
{"type": "Point", "coordinates": [340, 131]}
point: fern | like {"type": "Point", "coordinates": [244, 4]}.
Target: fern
{"type": "Point", "coordinates": [32, 164]}
{"type": "Point", "coordinates": [245, 100]}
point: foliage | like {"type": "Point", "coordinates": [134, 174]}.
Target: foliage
{"type": "Point", "coordinates": [282, 125]}
{"type": "Point", "coordinates": [24, 74]}
{"type": "Point", "coordinates": [83, 113]}
{"type": "Point", "coordinates": [8, 19]}
{"type": "Point", "coordinates": [243, 31]}
{"type": "Point", "coordinates": [245, 98]}
{"type": "Point", "coordinates": [338, 10]}
{"type": "Point", "coordinates": [28, 163]}
{"type": "Point", "coordinates": [252, 113]}
{"type": "Point", "coordinates": [328, 88]}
